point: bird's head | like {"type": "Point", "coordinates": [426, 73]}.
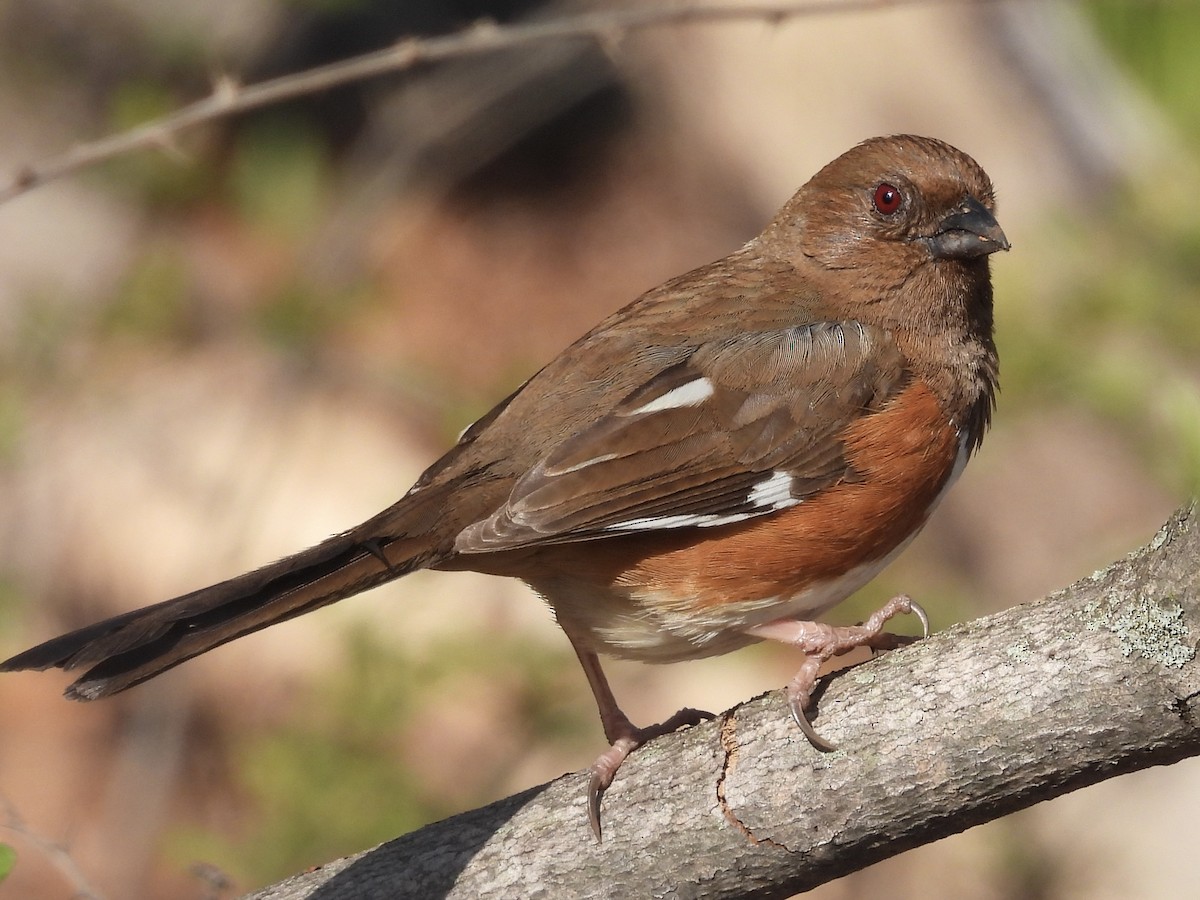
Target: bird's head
{"type": "Point", "coordinates": [890, 210]}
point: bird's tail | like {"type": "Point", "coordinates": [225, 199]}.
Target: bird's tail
{"type": "Point", "coordinates": [135, 646]}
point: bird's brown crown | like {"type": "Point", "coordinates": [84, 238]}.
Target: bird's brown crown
{"type": "Point", "coordinates": [836, 217]}
{"type": "Point", "coordinates": [873, 213]}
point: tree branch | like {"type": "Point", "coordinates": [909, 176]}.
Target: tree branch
{"type": "Point", "coordinates": [971, 724]}
{"type": "Point", "coordinates": [229, 98]}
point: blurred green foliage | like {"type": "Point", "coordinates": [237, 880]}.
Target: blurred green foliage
{"type": "Point", "coordinates": [1103, 310]}
{"type": "Point", "coordinates": [1157, 40]}
{"type": "Point", "coordinates": [43, 326]}
{"type": "Point", "coordinates": [302, 317]}
{"type": "Point", "coordinates": [1108, 319]}
{"type": "Point", "coordinates": [334, 778]}
{"type": "Point", "coordinates": [12, 418]}
{"type": "Point", "coordinates": [13, 607]}
{"type": "Point", "coordinates": [153, 299]}
{"type": "Point", "coordinates": [280, 175]}
{"type": "Point", "coordinates": [8, 859]}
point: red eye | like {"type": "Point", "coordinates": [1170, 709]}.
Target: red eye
{"type": "Point", "coordinates": [888, 199]}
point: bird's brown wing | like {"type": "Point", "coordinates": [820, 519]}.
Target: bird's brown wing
{"type": "Point", "coordinates": [741, 428]}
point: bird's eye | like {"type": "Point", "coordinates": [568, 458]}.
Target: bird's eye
{"type": "Point", "coordinates": [888, 199]}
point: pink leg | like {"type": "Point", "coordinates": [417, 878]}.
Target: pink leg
{"type": "Point", "coordinates": [820, 642]}
{"type": "Point", "coordinates": [623, 736]}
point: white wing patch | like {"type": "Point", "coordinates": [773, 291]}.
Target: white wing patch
{"type": "Point", "coordinates": [691, 393]}
{"type": "Point", "coordinates": [654, 523]}
{"type": "Point", "coordinates": [774, 491]}
{"type": "Point", "coordinates": [770, 494]}
{"type": "Point", "coordinates": [595, 460]}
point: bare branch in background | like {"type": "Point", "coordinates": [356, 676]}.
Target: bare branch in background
{"type": "Point", "coordinates": [229, 97]}
{"type": "Point", "coordinates": [58, 855]}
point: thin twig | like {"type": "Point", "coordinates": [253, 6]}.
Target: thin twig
{"type": "Point", "coordinates": [58, 855]}
{"type": "Point", "coordinates": [229, 97]}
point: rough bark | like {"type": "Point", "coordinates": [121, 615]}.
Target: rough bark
{"type": "Point", "coordinates": [975, 722]}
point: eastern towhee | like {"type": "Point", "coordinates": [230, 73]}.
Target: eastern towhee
{"type": "Point", "coordinates": [719, 462]}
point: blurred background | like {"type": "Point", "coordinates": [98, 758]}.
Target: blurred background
{"type": "Point", "coordinates": [218, 353]}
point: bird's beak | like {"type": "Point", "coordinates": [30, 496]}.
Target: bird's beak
{"type": "Point", "coordinates": [968, 232]}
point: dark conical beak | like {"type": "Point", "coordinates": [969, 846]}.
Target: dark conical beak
{"type": "Point", "coordinates": [968, 232]}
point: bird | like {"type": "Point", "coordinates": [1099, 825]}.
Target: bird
{"type": "Point", "coordinates": [718, 463]}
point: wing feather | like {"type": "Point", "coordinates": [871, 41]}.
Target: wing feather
{"type": "Point", "coordinates": [690, 446]}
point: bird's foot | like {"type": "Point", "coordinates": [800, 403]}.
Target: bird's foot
{"type": "Point", "coordinates": [820, 642]}
{"type": "Point", "coordinates": [625, 739]}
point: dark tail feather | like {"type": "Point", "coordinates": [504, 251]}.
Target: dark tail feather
{"type": "Point", "coordinates": [135, 646]}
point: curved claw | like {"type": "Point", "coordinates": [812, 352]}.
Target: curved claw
{"type": "Point", "coordinates": [596, 786]}
{"type": "Point", "coordinates": [604, 769]}
{"type": "Point", "coordinates": [823, 642]}
{"type": "Point", "coordinates": [818, 742]}
{"type": "Point", "coordinates": [917, 610]}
